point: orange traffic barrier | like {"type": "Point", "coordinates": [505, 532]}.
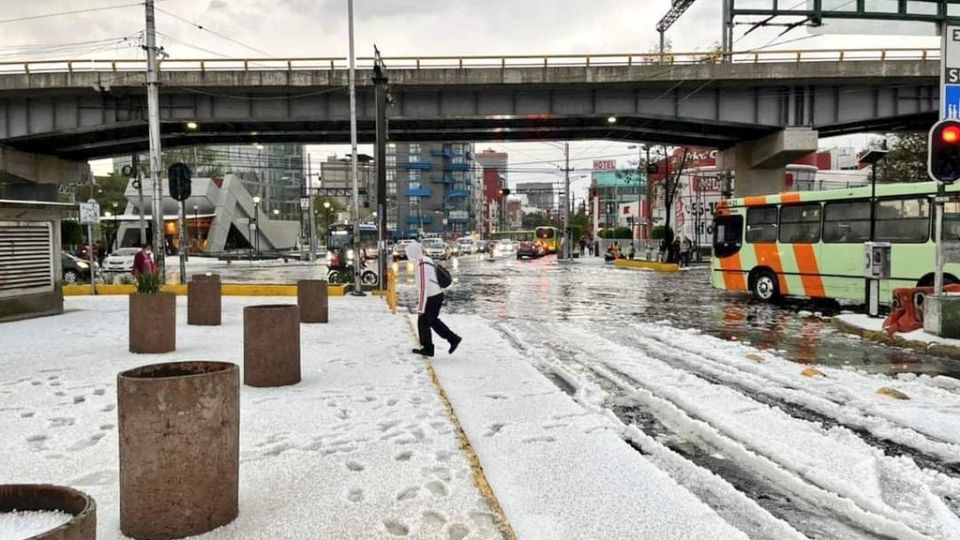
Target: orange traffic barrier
{"type": "Point", "coordinates": [906, 313]}
{"type": "Point", "coordinates": [392, 291]}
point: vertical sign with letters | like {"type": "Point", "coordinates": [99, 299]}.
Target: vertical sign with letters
{"type": "Point", "coordinates": [950, 96]}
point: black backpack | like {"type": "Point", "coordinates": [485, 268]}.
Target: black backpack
{"type": "Point", "coordinates": [444, 279]}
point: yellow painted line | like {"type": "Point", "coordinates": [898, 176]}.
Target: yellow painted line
{"type": "Point", "coordinates": [630, 264]}
{"type": "Point", "coordinates": [229, 289]}
{"type": "Point", "coordinates": [479, 478]}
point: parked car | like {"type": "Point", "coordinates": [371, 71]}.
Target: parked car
{"type": "Point", "coordinates": [467, 246]}
{"type": "Point", "coordinates": [75, 269]}
{"type": "Point", "coordinates": [399, 250]}
{"type": "Point", "coordinates": [530, 250]}
{"type": "Point", "coordinates": [120, 261]}
{"type": "Point", "coordinates": [435, 248]}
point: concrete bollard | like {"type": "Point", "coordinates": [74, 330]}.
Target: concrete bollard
{"type": "Point", "coordinates": [153, 323]}
{"type": "Point", "coordinates": [179, 448]}
{"type": "Point", "coordinates": [313, 300]}
{"type": "Point", "coordinates": [43, 497]}
{"type": "Point", "coordinates": [204, 300]}
{"type": "Point", "coordinates": [271, 345]}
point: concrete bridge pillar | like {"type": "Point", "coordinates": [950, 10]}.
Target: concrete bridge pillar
{"type": "Point", "coordinates": [759, 166]}
{"type": "Point", "coordinates": [30, 176]}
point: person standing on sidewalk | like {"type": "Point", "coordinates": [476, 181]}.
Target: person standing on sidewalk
{"type": "Point", "coordinates": [143, 262]}
{"type": "Point", "coordinates": [429, 301]}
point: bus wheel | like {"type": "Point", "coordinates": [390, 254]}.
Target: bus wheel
{"type": "Point", "coordinates": [765, 287]}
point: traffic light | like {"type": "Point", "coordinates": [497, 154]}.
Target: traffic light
{"type": "Point", "coordinates": [504, 192]}
{"type": "Point", "coordinates": [179, 177]}
{"type": "Point", "coordinates": [944, 158]}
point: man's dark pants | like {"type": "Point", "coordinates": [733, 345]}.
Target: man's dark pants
{"type": "Point", "coordinates": [430, 319]}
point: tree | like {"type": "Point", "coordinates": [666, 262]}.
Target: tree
{"type": "Point", "coordinates": [906, 160]}
{"type": "Point", "coordinates": [671, 181]}
{"type": "Point", "coordinates": [327, 209]}
{"type": "Point", "coordinates": [579, 224]}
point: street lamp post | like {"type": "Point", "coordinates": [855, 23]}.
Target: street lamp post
{"type": "Point", "coordinates": [326, 220]}
{"type": "Point", "coordinates": [196, 223]}
{"type": "Point", "coordinates": [256, 224]}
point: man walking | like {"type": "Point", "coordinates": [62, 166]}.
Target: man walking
{"type": "Point", "coordinates": [429, 300]}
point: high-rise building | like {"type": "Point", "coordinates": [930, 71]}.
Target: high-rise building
{"type": "Point", "coordinates": [336, 173]}
{"type": "Point", "coordinates": [492, 204]}
{"type": "Point", "coordinates": [273, 172]}
{"type": "Point", "coordinates": [540, 194]}
{"type": "Point", "coordinates": [432, 187]}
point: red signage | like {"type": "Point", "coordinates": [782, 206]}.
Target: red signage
{"type": "Point", "coordinates": [605, 165]}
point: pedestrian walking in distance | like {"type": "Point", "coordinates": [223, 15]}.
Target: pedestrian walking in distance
{"type": "Point", "coordinates": [429, 300]}
{"type": "Point", "coordinates": [143, 262]}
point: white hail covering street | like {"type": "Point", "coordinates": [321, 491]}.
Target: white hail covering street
{"type": "Point", "coordinates": [363, 447]}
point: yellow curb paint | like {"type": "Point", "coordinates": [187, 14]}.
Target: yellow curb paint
{"type": "Point", "coordinates": [945, 350]}
{"type": "Point", "coordinates": [479, 478]}
{"type": "Point", "coordinates": [229, 289]}
{"type": "Point", "coordinates": [892, 393]}
{"type": "Point", "coordinates": [812, 373]}
{"type": "Point", "coordinates": [630, 264]}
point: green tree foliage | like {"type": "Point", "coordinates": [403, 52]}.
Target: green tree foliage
{"type": "Point", "coordinates": [906, 160]}
{"type": "Point", "coordinates": [326, 216]}
{"type": "Point", "coordinates": [579, 225]}
{"type": "Point", "coordinates": [71, 233]}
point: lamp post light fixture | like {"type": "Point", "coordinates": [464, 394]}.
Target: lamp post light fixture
{"type": "Point", "coordinates": [191, 125]}
{"type": "Point", "coordinates": [611, 119]}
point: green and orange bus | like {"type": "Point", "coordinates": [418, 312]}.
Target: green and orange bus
{"type": "Point", "coordinates": [812, 243]}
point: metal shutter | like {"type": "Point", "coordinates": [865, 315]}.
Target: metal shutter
{"type": "Point", "coordinates": [26, 257]}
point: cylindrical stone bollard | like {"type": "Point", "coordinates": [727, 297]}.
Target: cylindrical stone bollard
{"type": "Point", "coordinates": [179, 448]}
{"type": "Point", "coordinates": [204, 300]}
{"type": "Point", "coordinates": [313, 300]}
{"type": "Point", "coordinates": [47, 498]}
{"type": "Point", "coordinates": [271, 345]}
{"type": "Point", "coordinates": [153, 323]}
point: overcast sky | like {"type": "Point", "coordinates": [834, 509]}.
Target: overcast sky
{"type": "Point", "coordinates": [290, 28]}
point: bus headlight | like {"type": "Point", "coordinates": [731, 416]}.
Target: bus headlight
{"type": "Point", "coordinates": [351, 254]}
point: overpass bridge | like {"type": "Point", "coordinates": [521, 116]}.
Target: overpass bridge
{"type": "Point", "coordinates": [763, 107]}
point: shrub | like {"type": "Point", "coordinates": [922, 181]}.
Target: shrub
{"type": "Point", "coordinates": [149, 283]}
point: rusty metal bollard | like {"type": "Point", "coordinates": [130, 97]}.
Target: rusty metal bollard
{"type": "Point", "coordinates": [179, 448]}
{"type": "Point", "coordinates": [271, 345]}
{"type": "Point", "coordinates": [313, 299]}
{"type": "Point", "coordinates": [392, 291]}
{"type": "Point", "coordinates": [153, 323]}
{"type": "Point", "coordinates": [44, 497]}
{"type": "Point", "coordinates": [204, 300]}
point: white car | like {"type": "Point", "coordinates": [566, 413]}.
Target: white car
{"type": "Point", "coordinates": [467, 246]}
{"type": "Point", "coordinates": [400, 250]}
{"type": "Point", "coordinates": [120, 261]}
{"type": "Point", "coordinates": [435, 248]}
{"type": "Point", "coordinates": [506, 246]}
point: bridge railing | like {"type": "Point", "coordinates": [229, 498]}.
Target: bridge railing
{"type": "Point", "coordinates": [477, 62]}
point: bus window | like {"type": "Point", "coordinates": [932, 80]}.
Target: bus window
{"type": "Point", "coordinates": [762, 225]}
{"type": "Point", "coordinates": [800, 224]}
{"type": "Point", "coordinates": [727, 235]}
{"type": "Point", "coordinates": [951, 221]}
{"type": "Point", "coordinates": [846, 222]}
{"type": "Point", "coordinates": [903, 221]}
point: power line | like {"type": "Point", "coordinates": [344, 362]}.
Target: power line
{"type": "Point", "coordinates": [219, 35]}
{"type": "Point", "coordinates": [71, 12]}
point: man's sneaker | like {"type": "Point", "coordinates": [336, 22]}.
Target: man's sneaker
{"type": "Point", "coordinates": [424, 352]}
{"type": "Point", "coordinates": [454, 343]}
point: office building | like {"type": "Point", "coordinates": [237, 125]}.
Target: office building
{"type": "Point", "coordinates": [539, 194]}
{"type": "Point", "coordinates": [336, 173]}
{"type": "Point", "coordinates": [494, 168]}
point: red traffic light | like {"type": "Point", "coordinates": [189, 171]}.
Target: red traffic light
{"type": "Point", "coordinates": [950, 134]}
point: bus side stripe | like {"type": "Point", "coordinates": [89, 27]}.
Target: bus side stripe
{"type": "Point", "coordinates": [769, 255]}
{"type": "Point", "coordinates": [809, 270]}
{"type": "Point", "coordinates": [733, 273]}
{"type": "Point", "coordinates": [755, 201]}
{"type": "Point", "coordinates": [787, 198]}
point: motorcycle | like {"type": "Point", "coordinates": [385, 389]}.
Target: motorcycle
{"type": "Point", "coordinates": [342, 271]}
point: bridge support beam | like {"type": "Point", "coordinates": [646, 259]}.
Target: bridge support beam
{"type": "Point", "coordinates": [759, 166]}
{"type": "Point", "coordinates": [17, 167]}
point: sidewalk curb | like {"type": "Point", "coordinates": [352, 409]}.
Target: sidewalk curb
{"type": "Point", "coordinates": [229, 289]}
{"type": "Point", "coordinates": [937, 349]}
{"type": "Point", "coordinates": [479, 478]}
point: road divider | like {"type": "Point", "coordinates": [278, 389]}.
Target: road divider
{"type": "Point", "coordinates": [654, 266]}
{"type": "Point", "coordinates": [229, 289]}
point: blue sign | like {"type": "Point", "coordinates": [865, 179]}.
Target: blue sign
{"type": "Point", "coordinates": [951, 101]}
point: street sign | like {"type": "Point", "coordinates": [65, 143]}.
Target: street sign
{"type": "Point", "coordinates": [604, 164]}
{"type": "Point", "coordinates": [950, 78]}
{"type": "Point", "coordinates": [89, 213]}
{"type": "Point", "coordinates": [304, 203]}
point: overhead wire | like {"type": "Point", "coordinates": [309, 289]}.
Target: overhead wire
{"type": "Point", "coordinates": [70, 12]}
{"type": "Point", "coordinates": [213, 32]}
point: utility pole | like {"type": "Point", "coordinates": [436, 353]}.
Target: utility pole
{"type": "Point", "coordinates": [138, 175]}
{"type": "Point", "coordinates": [566, 201]}
{"type": "Point", "coordinates": [357, 285]}
{"type": "Point", "coordinates": [153, 120]}
{"type": "Point", "coordinates": [380, 82]}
